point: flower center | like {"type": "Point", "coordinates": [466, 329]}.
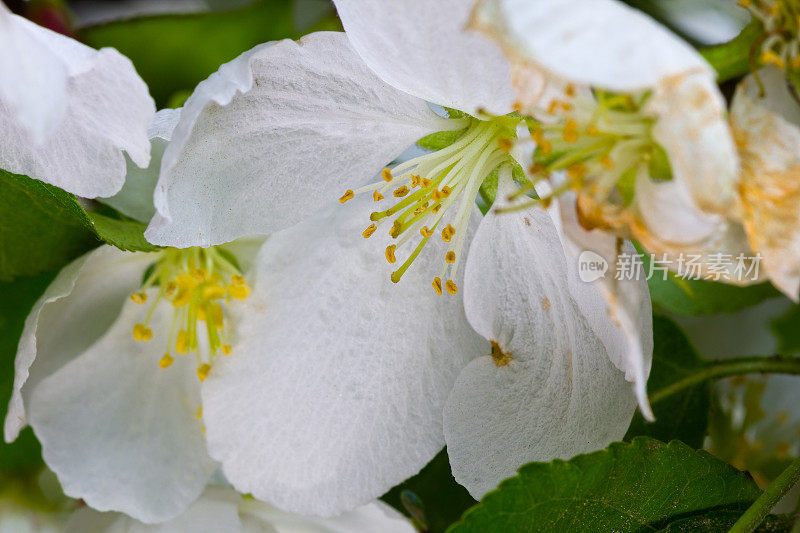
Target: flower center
{"type": "Point", "coordinates": [781, 20]}
{"type": "Point", "coordinates": [600, 140]}
{"type": "Point", "coordinates": [198, 283]}
{"type": "Point", "coordinates": [422, 190]}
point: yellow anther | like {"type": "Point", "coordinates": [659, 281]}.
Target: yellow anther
{"type": "Point", "coordinates": [386, 174]}
{"type": "Point", "coordinates": [139, 297]}
{"type": "Point", "coordinates": [607, 162]}
{"type": "Point", "coordinates": [213, 292]}
{"type": "Point", "coordinates": [226, 349]}
{"type": "Point", "coordinates": [576, 173]}
{"type": "Point", "coordinates": [369, 231]}
{"type": "Point", "coordinates": [203, 370]}
{"type": "Point", "coordinates": [554, 104]}
{"type": "Point", "coordinates": [546, 147]}
{"type": "Point", "coordinates": [199, 413]}
{"type": "Point", "coordinates": [425, 232]}
{"type": "Point", "coordinates": [166, 361]}
{"type": "Point", "coordinates": [182, 342]}
{"type": "Point", "coordinates": [769, 57]}
{"type": "Point", "coordinates": [348, 195]}
{"type": "Point", "coordinates": [566, 106]}
{"type": "Point", "coordinates": [450, 257]}
{"type": "Point", "coordinates": [400, 192]}
{"type": "Point", "coordinates": [183, 297]}
{"type": "Point", "coordinates": [377, 196]}
{"type": "Point", "coordinates": [436, 208]}
{"type": "Point", "coordinates": [437, 285]}
{"type": "Point", "coordinates": [451, 287]}
{"type": "Point", "coordinates": [592, 131]}
{"type": "Point", "coordinates": [505, 144]}
{"type": "Point", "coordinates": [448, 232]}
{"type": "Point", "coordinates": [236, 279]}
{"type": "Point", "coordinates": [390, 253]}
{"type": "Point", "coordinates": [240, 292]}
{"type": "Point", "coordinates": [201, 314]}
{"type": "Point", "coordinates": [142, 333]}
{"type": "Point", "coordinates": [170, 288]}
{"type": "Point", "coordinates": [570, 90]}
{"type": "Point", "coordinates": [396, 228]}
{"type": "Point", "coordinates": [437, 195]}
{"type": "Point", "coordinates": [416, 181]}
{"type": "Point", "coordinates": [426, 182]}
{"type": "Point", "coordinates": [446, 191]}
{"type": "Point", "coordinates": [570, 133]}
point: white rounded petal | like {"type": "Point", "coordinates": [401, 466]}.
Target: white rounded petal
{"type": "Point", "coordinates": [424, 49]}
{"type": "Point", "coordinates": [120, 432]}
{"type": "Point", "coordinates": [68, 112]}
{"type": "Point", "coordinates": [769, 140]}
{"type": "Point", "coordinates": [591, 42]}
{"type": "Point", "coordinates": [276, 134]}
{"type": "Point", "coordinates": [335, 388]}
{"type": "Point", "coordinates": [75, 310]}
{"type": "Point", "coordinates": [135, 199]}
{"type": "Point", "coordinates": [214, 511]}
{"type": "Point", "coordinates": [554, 391]}
{"type": "Point", "coordinates": [692, 127]}
{"type": "Point", "coordinates": [375, 516]}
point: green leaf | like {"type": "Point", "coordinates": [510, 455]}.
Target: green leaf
{"type": "Point", "coordinates": [681, 416]}
{"type": "Point", "coordinates": [41, 227]}
{"type": "Point", "coordinates": [44, 228]}
{"type": "Point", "coordinates": [701, 297]}
{"type": "Point", "coordinates": [18, 297]}
{"type": "Point", "coordinates": [787, 331]}
{"type": "Point", "coordinates": [732, 59]}
{"type": "Point", "coordinates": [721, 522]}
{"type": "Point", "coordinates": [642, 486]}
{"type": "Point", "coordinates": [442, 499]}
{"type": "Point", "coordinates": [124, 234]}
{"type": "Point", "coordinates": [174, 53]}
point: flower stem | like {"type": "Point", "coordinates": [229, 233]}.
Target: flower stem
{"type": "Point", "coordinates": [735, 366]}
{"type": "Point", "coordinates": [756, 513]}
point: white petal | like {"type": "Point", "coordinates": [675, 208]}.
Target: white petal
{"type": "Point", "coordinates": [692, 127]}
{"type": "Point", "coordinates": [75, 310]}
{"type": "Point", "coordinates": [120, 432]}
{"type": "Point", "coordinates": [214, 512]}
{"type": "Point", "coordinates": [135, 199]}
{"type": "Point", "coordinates": [335, 389]}
{"type": "Point", "coordinates": [422, 48]}
{"type": "Point", "coordinates": [67, 111]}
{"type": "Point", "coordinates": [276, 134]}
{"type": "Point", "coordinates": [769, 140]}
{"type": "Point", "coordinates": [559, 394]}
{"type": "Point", "coordinates": [375, 516]}
{"type": "Point", "coordinates": [592, 42]}
{"type": "Point", "coordinates": [626, 302]}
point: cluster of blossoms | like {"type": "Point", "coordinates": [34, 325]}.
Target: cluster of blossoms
{"type": "Point", "coordinates": [329, 371]}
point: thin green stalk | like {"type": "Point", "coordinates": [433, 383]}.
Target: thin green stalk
{"type": "Point", "coordinates": [756, 513]}
{"type": "Point", "coordinates": [735, 366]}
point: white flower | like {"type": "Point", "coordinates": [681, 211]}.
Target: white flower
{"type": "Point", "coordinates": [767, 130]}
{"type": "Point", "coordinates": [640, 131]}
{"type": "Point", "coordinates": [67, 111]}
{"type": "Point", "coordinates": [339, 392]}
{"type": "Point", "coordinates": [221, 509]}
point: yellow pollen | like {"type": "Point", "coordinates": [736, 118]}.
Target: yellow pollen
{"type": "Point", "coordinates": [570, 90]}
{"type": "Point", "coordinates": [592, 131]}
{"type": "Point", "coordinates": [451, 287]}
{"type": "Point", "coordinates": [396, 227]}
{"type": "Point", "coordinates": [349, 195]}
{"type": "Point", "coordinates": [214, 292]}
{"type": "Point", "coordinates": [166, 361]}
{"type": "Point", "coordinates": [450, 257]}
{"type": "Point", "coordinates": [448, 232]}
{"type": "Point", "coordinates": [546, 147]}
{"type": "Point", "coordinates": [607, 162]}
{"type": "Point", "coordinates": [390, 253]}
{"type": "Point", "coordinates": [377, 196]}
{"type": "Point", "coordinates": [425, 232]}
{"type": "Point", "coordinates": [236, 279]}
{"type": "Point", "coordinates": [416, 181]}
{"type": "Point", "coordinates": [367, 233]}
{"type": "Point", "coordinates": [182, 342]}
{"type": "Point", "coordinates": [142, 333]}
{"type": "Point", "coordinates": [436, 208]}
{"type": "Point", "coordinates": [400, 192]}
{"type": "Point", "coordinates": [201, 314]}
{"type": "Point", "coordinates": [446, 191]}
{"type": "Point", "coordinates": [203, 370]}
{"type": "Point", "coordinates": [437, 285]}
{"type": "Point", "coordinates": [226, 349]}
{"type": "Point", "coordinates": [386, 174]}
{"type": "Point", "coordinates": [554, 104]}
{"type": "Point", "coordinates": [426, 182]}
{"type": "Point", "coordinates": [571, 131]}
{"type": "Point", "coordinates": [771, 58]}
{"type": "Point", "coordinates": [170, 288]}
{"type": "Point", "coordinates": [139, 297]}
{"type": "Point", "coordinates": [239, 292]}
